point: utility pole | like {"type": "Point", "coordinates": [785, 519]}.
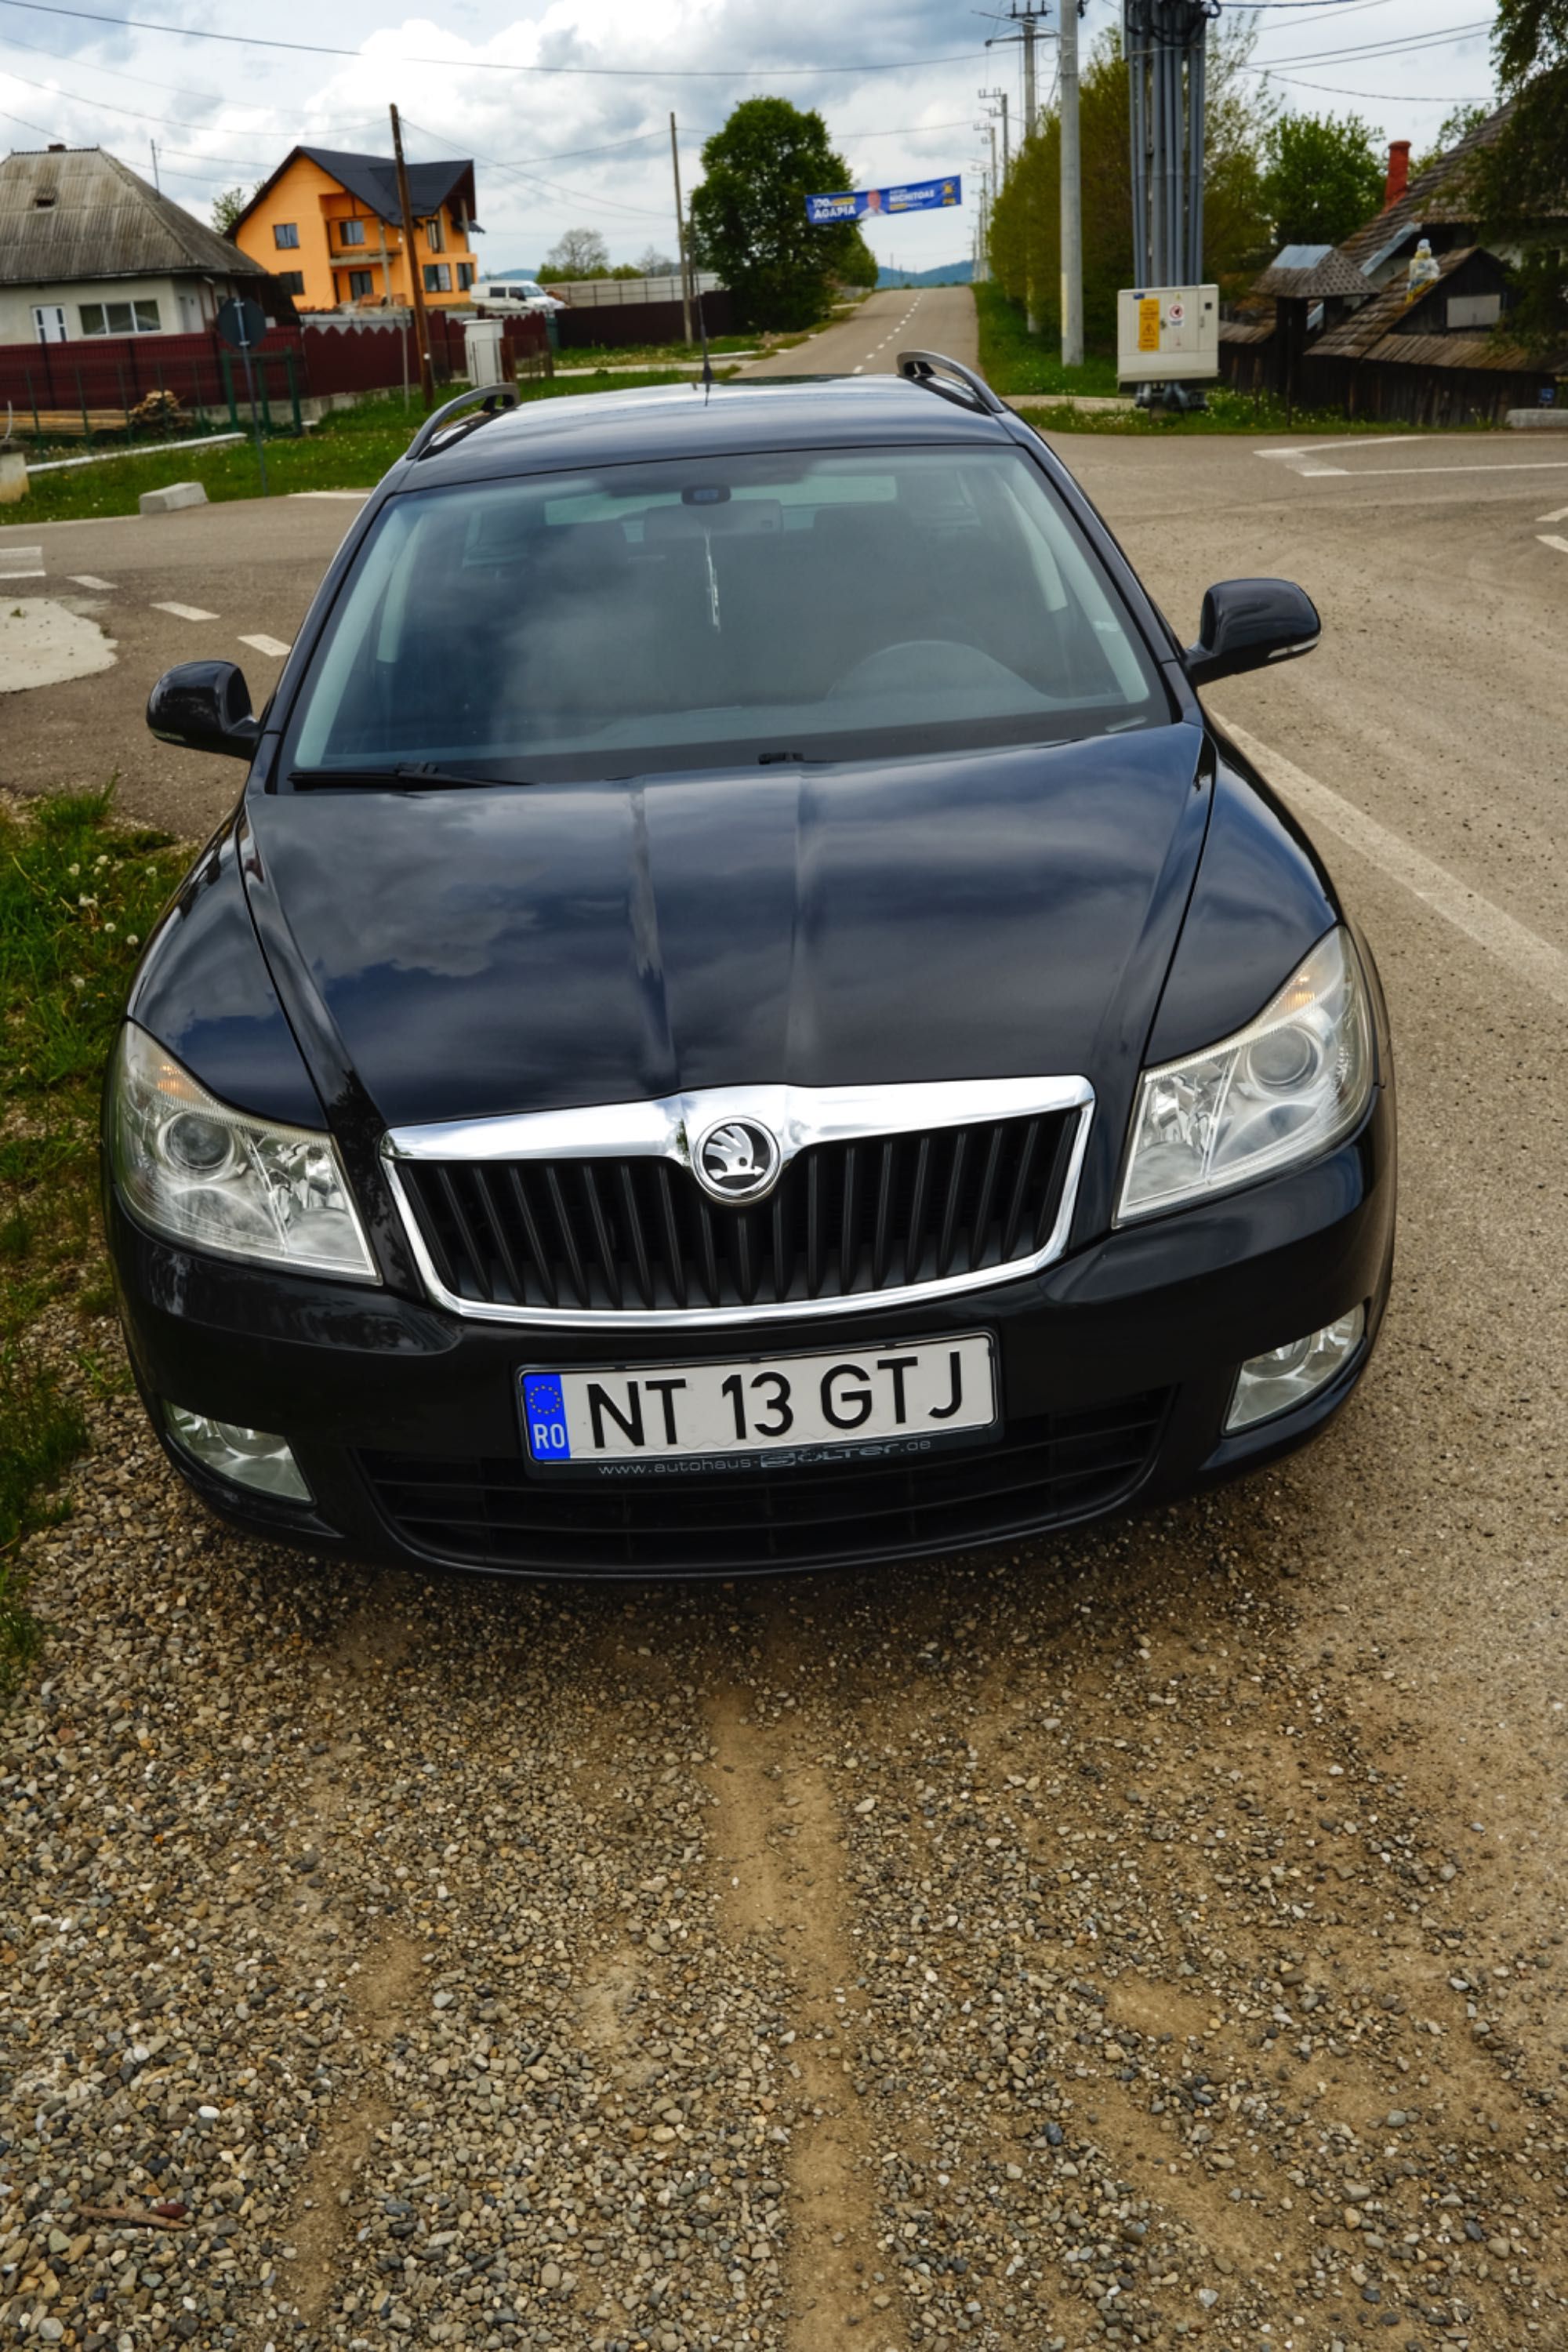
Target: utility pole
{"type": "Point", "coordinates": [416, 283]}
{"type": "Point", "coordinates": [152, 147]}
{"type": "Point", "coordinates": [1072, 190]}
{"type": "Point", "coordinates": [1027, 18]}
{"type": "Point", "coordinates": [998, 98]}
{"type": "Point", "coordinates": [680, 238]}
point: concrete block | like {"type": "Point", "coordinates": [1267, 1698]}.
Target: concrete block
{"type": "Point", "coordinates": [171, 496]}
{"type": "Point", "coordinates": [13, 475]}
{"type": "Point", "coordinates": [1532, 420]}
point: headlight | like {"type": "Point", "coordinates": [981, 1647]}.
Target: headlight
{"type": "Point", "coordinates": [1282, 1089]}
{"type": "Point", "coordinates": [202, 1174]}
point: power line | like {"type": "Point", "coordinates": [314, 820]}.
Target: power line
{"type": "Point", "coordinates": [488, 65]}
{"type": "Point", "coordinates": [1385, 48]}
{"type": "Point", "coordinates": [1391, 97]}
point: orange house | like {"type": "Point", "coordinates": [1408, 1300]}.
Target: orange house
{"type": "Point", "coordinates": [328, 227]}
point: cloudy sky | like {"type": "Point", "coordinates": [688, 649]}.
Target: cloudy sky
{"type": "Point", "coordinates": [587, 145]}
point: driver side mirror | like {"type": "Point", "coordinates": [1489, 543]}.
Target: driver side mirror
{"type": "Point", "coordinates": [1248, 624]}
{"type": "Point", "coordinates": [205, 706]}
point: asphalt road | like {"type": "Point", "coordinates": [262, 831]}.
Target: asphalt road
{"type": "Point", "coordinates": [1154, 1934]}
{"type": "Point", "coordinates": [925, 319]}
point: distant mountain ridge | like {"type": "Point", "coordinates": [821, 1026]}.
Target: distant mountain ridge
{"type": "Point", "coordinates": [946, 273]}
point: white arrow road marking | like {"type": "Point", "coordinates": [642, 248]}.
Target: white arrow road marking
{"type": "Point", "coordinates": [1559, 514]}
{"type": "Point", "coordinates": [1550, 538]}
{"type": "Point", "coordinates": [186, 612]}
{"type": "Point", "coordinates": [1534, 959]}
{"type": "Point", "coordinates": [272, 645]}
{"type": "Point", "coordinates": [21, 563]}
{"type": "Point", "coordinates": [88, 580]}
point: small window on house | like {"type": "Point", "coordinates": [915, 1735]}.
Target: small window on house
{"type": "Point", "coordinates": [44, 200]}
{"type": "Point", "coordinates": [91, 316]}
{"type": "Point", "coordinates": [435, 235]}
{"type": "Point", "coordinates": [351, 232]}
{"type": "Point", "coordinates": [465, 275]}
{"type": "Point", "coordinates": [438, 277]}
{"type": "Point", "coordinates": [361, 282]}
{"type": "Point", "coordinates": [286, 236]}
{"type": "Point", "coordinates": [145, 317]}
{"type": "Point", "coordinates": [119, 319]}
{"type": "Point", "coordinates": [293, 282]}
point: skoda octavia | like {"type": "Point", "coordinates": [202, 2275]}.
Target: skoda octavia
{"type": "Point", "coordinates": [744, 1016]}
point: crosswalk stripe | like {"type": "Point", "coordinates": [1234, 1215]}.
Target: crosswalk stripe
{"type": "Point", "coordinates": [88, 580]}
{"type": "Point", "coordinates": [21, 563]}
{"type": "Point", "coordinates": [272, 645]}
{"type": "Point", "coordinates": [186, 612]}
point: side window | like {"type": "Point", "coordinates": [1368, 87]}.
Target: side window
{"type": "Point", "coordinates": [351, 232]}
{"type": "Point", "coordinates": [361, 282]}
{"type": "Point", "coordinates": [293, 282]}
{"type": "Point", "coordinates": [91, 316]}
{"type": "Point", "coordinates": [286, 236]}
{"type": "Point", "coordinates": [438, 277]}
{"type": "Point", "coordinates": [465, 275]}
{"type": "Point", "coordinates": [435, 235]}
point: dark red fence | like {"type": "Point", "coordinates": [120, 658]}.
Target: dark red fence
{"type": "Point", "coordinates": [641, 322]}
{"type": "Point", "coordinates": [85, 385]}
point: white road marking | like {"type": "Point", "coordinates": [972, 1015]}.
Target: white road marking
{"type": "Point", "coordinates": [1323, 470]}
{"type": "Point", "coordinates": [21, 563]}
{"type": "Point", "coordinates": [1513, 465]}
{"type": "Point", "coordinates": [1559, 514]}
{"type": "Point", "coordinates": [1534, 959]}
{"type": "Point", "coordinates": [88, 580]}
{"type": "Point", "coordinates": [858, 370]}
{"type": "Point", "coordinates": [186, 612]}
{"type": "Point", "coordinates": [272, 645]}
{"type": "Point", "coordinates": [329, 494]}
{"type": "Point", "coordinates": [1550, 538]}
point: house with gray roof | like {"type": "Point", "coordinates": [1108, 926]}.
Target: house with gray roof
{"type": "Point", "coordinates": [89, 249]}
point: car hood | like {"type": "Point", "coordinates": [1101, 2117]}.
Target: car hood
{"type": "Point", "coordinates": [994, 915]}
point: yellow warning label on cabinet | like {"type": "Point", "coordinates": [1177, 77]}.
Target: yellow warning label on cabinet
{"type": "Point", "coordinates": [1149, 322]}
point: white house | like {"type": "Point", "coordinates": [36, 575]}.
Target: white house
{"type": "Point", "coordinates": [88, 249]}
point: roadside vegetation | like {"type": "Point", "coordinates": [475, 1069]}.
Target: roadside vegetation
{"type": "Point", "coordinates": [349, 450]}
{"type": "Point", "coordinates": [78, 894]}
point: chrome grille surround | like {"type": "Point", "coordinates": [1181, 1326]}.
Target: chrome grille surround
{"type": "Point", "coordinates": [802, 1117]}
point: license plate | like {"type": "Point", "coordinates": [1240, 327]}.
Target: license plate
{"type": "Point", "coordinates": [907, 1397]}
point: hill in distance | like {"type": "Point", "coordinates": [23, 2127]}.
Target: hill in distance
{"type": "Point", "coordinates": [946, 273]}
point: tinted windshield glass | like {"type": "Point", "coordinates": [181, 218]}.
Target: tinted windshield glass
{"type": "Point", "coordinates": [817, 606]}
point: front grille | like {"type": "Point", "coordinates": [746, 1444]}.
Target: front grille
{"type": "Point", "coordinates": [491, 1514]}
{"type": "Point", "coordinates": [845, 1221]}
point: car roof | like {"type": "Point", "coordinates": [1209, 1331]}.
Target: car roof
{"type": "Point", "coordinates": [684, 420]}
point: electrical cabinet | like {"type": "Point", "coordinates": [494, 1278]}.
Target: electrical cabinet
{"type": "Point", "coordinates": [1167, 334]}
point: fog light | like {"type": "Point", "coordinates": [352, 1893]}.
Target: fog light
{"type": "Point", "coordinates": [246, 1457]}
{"type": "Point", "coordinates": [1285, 1376]}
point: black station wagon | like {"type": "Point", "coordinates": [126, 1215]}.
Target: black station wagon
{"type": "Point", "coordinates": [744, 1017]}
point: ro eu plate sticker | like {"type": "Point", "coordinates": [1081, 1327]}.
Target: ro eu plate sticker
{"type": "Point", "coordinates": [544, 1416]}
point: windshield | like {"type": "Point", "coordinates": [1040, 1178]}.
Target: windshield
{"type": "Point", "coordinates": [818, 605]}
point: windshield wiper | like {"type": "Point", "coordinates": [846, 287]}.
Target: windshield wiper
{"type": "Point", "coordinates": [423, 774]}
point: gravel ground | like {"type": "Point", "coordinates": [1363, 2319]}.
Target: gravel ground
{"type": "Point", "coordinates": [1030, 1952]}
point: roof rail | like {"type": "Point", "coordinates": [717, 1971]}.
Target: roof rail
{"type": "Point", "coordinates": [925, 367]}
{"type": "Point", "coordinates": [490, 404]}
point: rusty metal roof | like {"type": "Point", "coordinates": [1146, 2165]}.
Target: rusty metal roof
{"type": "Point", "coordinates": [80, 212]}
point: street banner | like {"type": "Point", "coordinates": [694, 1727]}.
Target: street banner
{"type": "Point", "coordinates": [861, 204]}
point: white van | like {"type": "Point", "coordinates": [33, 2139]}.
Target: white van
{"type": "Point", "coordinates": [516, 294]}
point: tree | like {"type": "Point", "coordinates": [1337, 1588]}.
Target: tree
{"type": "Point", "coordinates": [652, 262]}
{"type": "Point", "coordinates": [1026, 223]}
{"type": "Point", "coordinates": [749, 214]}
{"type": "Point", "coordinates": [577, 253]}
{"type": "Point", "coordinates": [226, 209]}
{"type": "Point", "coordinates": [1457, 124]}
{"type": "Point", "coordinates": [1520, 178]}
{"type": "Point", "coordinates": [1324, 177]}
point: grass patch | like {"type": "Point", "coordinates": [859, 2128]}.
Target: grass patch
{"type": "Point", "coordinates": [350, 450]}
{"type": "Point", "coordinates": [1013, 360]}
{"type": "Point", "coordinates": [77, 896]}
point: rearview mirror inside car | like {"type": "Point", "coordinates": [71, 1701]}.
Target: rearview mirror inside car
{"type": "Point", "coordinates": [206, 706]}
{"type": "Point", "coordinates": [1246, 624]}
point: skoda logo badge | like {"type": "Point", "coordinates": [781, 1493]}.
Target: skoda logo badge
{"type": "Point", "coordinates": [737, 1160]}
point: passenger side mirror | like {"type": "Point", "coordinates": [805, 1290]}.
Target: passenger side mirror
{"type": "Point", "coordinates": [1248, 624]}
{"type": "Point", "coordinates": [206, 706]}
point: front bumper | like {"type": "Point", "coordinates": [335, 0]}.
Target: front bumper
{"type": "Point", "coordinates": [1117, 1366]}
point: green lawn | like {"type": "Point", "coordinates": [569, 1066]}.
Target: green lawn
{"type": "Point", "coordinates": [348, 451]}
{"type": "Point", "coordinates": [1013, 360]}
{"type": "Point", "coordinates": [77, 895]}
